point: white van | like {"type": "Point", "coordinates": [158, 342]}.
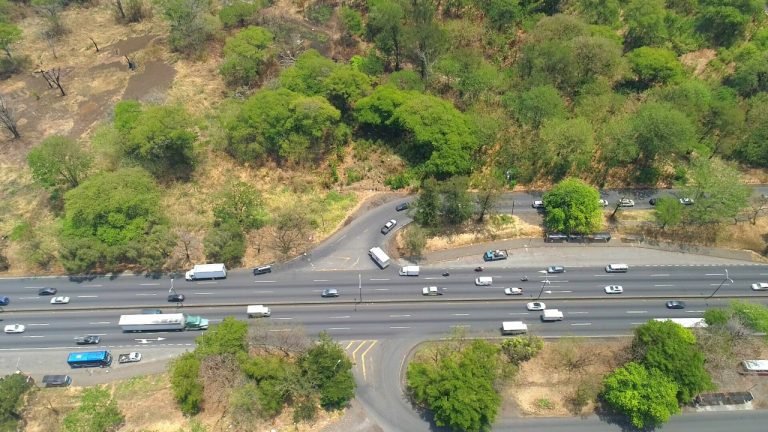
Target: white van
{"type": "Point", "coordinates": [484, 281]}
{"type": "Point", "coordinates": [616, 268]}
{"type": "Point", "coordinates": [258, 311]}
{"type": "Point", "coordinates": [513, 327]}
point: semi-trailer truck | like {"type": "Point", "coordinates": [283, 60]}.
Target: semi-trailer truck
{"type": "Point", "coordinates": [162, 322]}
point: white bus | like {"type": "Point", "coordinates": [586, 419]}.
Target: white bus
{"type": "Point", "coordinates": [379, 257]}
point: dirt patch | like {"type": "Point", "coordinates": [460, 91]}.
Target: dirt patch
{"type": "Point", "coordinates": [499, 227]}
{"type": "Point", "coordinates": [151, 84]}
{"type": "Point", "coordinates": [698, 60]}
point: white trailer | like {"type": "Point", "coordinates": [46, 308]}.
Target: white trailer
{"type": "Point", "coordinates": [686, 322]}
{"type": "Point", "coordinates": [207, 271]}
{"type": "Point", "coordinates": [378, 255]}
{"type": "Point", "coordinates": [156, 322]}
{"type": "Point", "coordinates": [513, 327]}
{"type": "Point", "coordinates": [258, 311]}
{"type": "Point", "coordinates": [551, 315]}
{"type": "Point", "coordinates": [409, 271]}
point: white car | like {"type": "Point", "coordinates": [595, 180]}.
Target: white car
{"type": "Point", "coordinates": [686, 201]}
{"type": "Point", "coordinates": [513, 291]}
{"type": "Point", "coordinates": [626, 202]}
{"type": "Point", "coordinates": [15, 328]}
{"type": "Point", "coordinates": [538, 204]}
{"type": "Point", "coordinates": [614, 289]}
{"type": "Point", "coordinates": [536, 306]}
{"type": "Point", "coordinates": [431, 291]}
{"type": "Point", "coordinates": [762, 286]}
{"type": "Point", "coordinates": [60, 300]}
{"type": "Point", "coordinates": [603, 203]}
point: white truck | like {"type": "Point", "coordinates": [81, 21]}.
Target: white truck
{"type": "Point", "coordinates": [484, 281]}
{"type": "Point", "coordinates": [513, 328]}
{"type": "Point", "coordinates": [207, 271]}
{"type": "Point", "coordinates": [162, 322]}
{"type": "Point", "coordinates": [378, 256]}
{"type": "Point", "coordinates": [686, 322]}
{"type": "Point", "coordinates": [551, 315]}
{"type": "Point", "coordinates": [258, 311]}
{"type": "Point", "coordinates": [409, 271]}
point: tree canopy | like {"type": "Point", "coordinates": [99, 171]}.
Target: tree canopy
{"type": "Point", "coordinates": [59, 162]}
{"type": "Point", "coordinates": [573, 207]}
{"type": "Point", "coordinates": [645, 395]}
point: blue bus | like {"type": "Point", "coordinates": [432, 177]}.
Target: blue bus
{"type": "Point", "coordinates": [89, 359]}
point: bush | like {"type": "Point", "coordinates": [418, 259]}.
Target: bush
{"type": "Point", "coordinates": [353, 175]}
{"type": "Point", "coordinates": [185, 382]}
{"type": "Point", "coordinates": [521, 349]}
{"type": "Point", "coordinates": [399, 181]}
{"type": "Point", "coordinates": [239, 14]}
{"type": "Point", "coordinates": [352, 21]}
{"type": "Point", "coordinates": [12, 388]}
{"type": "Point", "coordinates": [319, 13]}
{"type": "Point", "coordinates": [225, 243]}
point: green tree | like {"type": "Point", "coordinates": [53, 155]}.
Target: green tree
{"type": "Point", "coordinates": [114, 218]}
{"type": "Point", "coordinates": [377, 110]}
{"type": "Point", "coordinates": [569, 145]}
{"type": "Point", "coordinates": [537, 105]}
{"type": "Point", "coordinates": [489, 189]}
{"type": "Point", "coordinates": [387, 30]}
{"type": "Point", "coordinates": [602, 12]}
{"type": "Point", "coordinates": [645, 396]}
{"type": "Point", "coordinates": [97, 412]}
{"type": "Point", "coordinates": [522, 348]}
{"type": "Point", "coordinates": [185, 383]}
{"type": "Point", "coordinates": [327, 368]}
{"type": "Point", "coordinates": [671, 349]}
{"type": "Point", "coordinates": [655, 65]}
{"type": "Point", "coordinates": [427, 212]}
{"type": "Point", "coordinates": [242, 204]}
{"type": "Point", "coordinates": [239, 13]}
{"type": "Point", "coordinates": [753, 148]}
{"type": "Point", "coordinates": [724, 22]}
{"type": "Point", "coordinates": [308, 73]}
{"type": "Point", "coordinates": [246, 56]}
{"type": "Point", "coordinates": [415, 241]}
{"type": "Point", "coordinates": [458, 388]}
{"type": "Point", "coordinates": [345, 86]}
{"type": "Point", "coordinates": [668, 212]}
{"type": "Point", "coordinates": [426, 37]}
{"type": "Point", "coordinates": [225, 243]}
{"type": "Point", "coordinates": [645, 23]}
{"type": "Point", "coordinates": [59, 162]}
{"type": "Point", "coordinates": [573, 208]}
{"type": "Point", "coordinates": [457, 206]}
{"type": "Point", "coordinates": [226, 337]}
{"type": "Point", "coordinates": [352, 21]}
{"type": "Point", "coordinates": [717, 190]}
{"type": "Point", "coordinates": [191, 25]}
{"type": "Point", "coordinates": [660, 131]}
{"type": "Point", "coordinates": [749, 77]}
{"type": "Point", "coordinates": [502, 15]}
{"type": "Point", "coordinates": [159, 138]}
{"type": "Point", "coordinates": [12, 389]}
{"type": "Point", "coordinates": [9, 35]}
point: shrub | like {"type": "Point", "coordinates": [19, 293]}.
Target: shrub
{"type": "Point", "coordinates": [185, 382]}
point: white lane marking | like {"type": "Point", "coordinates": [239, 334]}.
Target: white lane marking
{"type": "Point", "coordinates": [339, 317]}
{"type": "Point", "coordinates": [321, 280]}
{"type": "Point", "coordinates": [701, 311]}
{"type": "Point", "coordinates": [399, 316]}
{"type": "Point", "coordinates": [35, 287]}
{"type": "Point", "coordinates": [518, 313]}
{"type": "Point", "coordinates": [146, 294]}
{"type": "Point", "coordinates": [149, 284]}
{"type": "Point", "coordinates": [714, 274]}
{"type": "Point", "coordinates": [100, 322]}
{"type": "Point", "coordinates": [399, 327]}
{"type": "Point", "coordinates": [263, 281]}
{"type": "Point", "coordinates": [430, 278]}
{"type": "Point", "coordinates": [663, 285]}
{"type": "Point", "coordinates": [279, 330]}
{"type": "Point", "coordinates": [88, 296]}
{"type": "Point", "coordinates": [34, 336]}
{"type": "Point", "coordinates": [602, 275]}
{"type": "Point", "coordinates": [581, 324]}
{"type": "Point", "coordinates": [93, 286]}
{"type": "Point", "coordinates": [637, 312]}
{"type": "Point", "coordinates": [40, 324]}
{"type": "Point", "coordinates": [379, 279]}
{"type": "Point", "coordinates": [263, 292]}
{"type": "Point", "coordinates": [381, 289]}
{"type": "Point", "coordinates": [204, 293]}
{"type": "Point", "coordinates": [207, 283]}
{"type": "Point", "coordinates": [461, 326]}
{"type": "Point", "coordinates": [641, 323]}
{"type": "Point", "coordinates": [282, 318]}
{"type": "Point", "coordinates": [29, 298]}
{"type": "Point", "coordinates": [97, 334]}
{"type": "Point", "coordinates": [718, 284]}
{"type": "Point", "coordinates": [660, 275]}
{"type": "Point", "coordinates": [577, 313]}
{"type": "Point", "coordinates": [557, 291]}
{"type": "Point", "coordinates": [460, 314]}
{"type": "Point", "coordinates": [339, 328]}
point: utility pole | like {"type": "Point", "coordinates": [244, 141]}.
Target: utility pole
{"type": "Point", "coordinates": [360, 285]}
{"type": "Point", "coordinates": [721, 284]}
{"type": "Point", "coordinates": [544, 283]}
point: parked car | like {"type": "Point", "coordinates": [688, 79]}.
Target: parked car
{"type": "Point", "coordinates": [626, 202]}
{"type": "Point", "coordinates": [402, 206]}
{"type": "Point", "coordinates": [603, 203]}
{"type": "Point", "coordinates": [513, 291]}
{"type": "Point", "coordinates": [47, 291]}
{"type": "Point", "coordinates": [614, 289]}
{"type": "Point", "coordinates": [176, 298]}
{"type": "Point", "coordinates": [556, 269]}
{"type": "Point", "coordinates": [652, 201]}
{"type": "Point", "coordinates": [15, 328]}
{"type": "Point", "coordinates": [760, 286]}
{"type": "Point", "coordinates": [60, 300]}
{"type": "Point", "coordinates": [88, 340]}
{"type": "Point", "coordinates": [686, 201]}
{"type": "Point", "coordinates": [536, 306]}
{"type": "Point", "coordinates": [675, 304]}
{"type": "Point", "coordinates": [330, 292]}
{"type": "Point", "coordinates": [538, 204]}
{"type": "Point", "coordinates": [388, 226]}
{"type": "Point", "coordinates": [131, 357]}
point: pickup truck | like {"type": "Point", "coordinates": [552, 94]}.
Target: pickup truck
{"type": "Point", "coordinates": [129, 358]}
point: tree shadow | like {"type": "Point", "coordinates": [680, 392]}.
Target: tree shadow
{"type": "Point", "coordinates": [607, 415]}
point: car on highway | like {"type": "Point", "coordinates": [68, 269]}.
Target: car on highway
{"type": "Point", "coordinates": [15, 328]}
{"type": "Point", "coordinates": [60, 300]}
{"type": "Point", "coordinates": [5, 300]}
{"type": "Point", "coordinates": [47, 291]}
{"type": "Point", "coordinates": [513, 291]}
{"type": "Point", "coordinates": [262, 270]}
{"type": "Point", "coordinates": [176, 298]}
{"type": "Point", "coordinates": [536, 306]}
{"type": "Point", "coordinates": [603, 203]}
{"type": "Point", "coordinates": [151, 312]}
{"type": "Point", "coordinates": [675, 304]}
{"type": "Point", "coordinates": [614, 289]}
{"type": "Point", "coordinates": [760, 286]}
{"type": "Point", "coordinates": [402, 206]}
{"type": "Point", "coordinates": [431, 291]}
{"type": "Point", "coordinates": [388, 226]}
{"type": "Point", "coordinates": [686, 201]}
{"type": "Point", "coordinates": [88, 340]}
{"type": "Point", "coordinates": [330, 292]}
{"type": "Point", "coordinates": [556, 269]}
{"type": "Point", "coordinates": [626, 202]}
{"type": "Point", "coordinates": [538, 204]}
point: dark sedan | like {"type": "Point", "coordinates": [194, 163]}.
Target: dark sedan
{"type": "Point", "coordinates": [47, 291]}
{"type": "Point", "coordinates": [675, 304]}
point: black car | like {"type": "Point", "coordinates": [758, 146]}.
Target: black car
{"type": "Point", "coordinates": [262, 270]}
{"type": "Point", "coordinates": [47, 291]}
{"type": "Point", "coordinates": [652, 201]}
{"type": "Point", "coordinates": [402, 206]}
{"type": "Point", "coordinates": [87, 340]}
{"type": "Point", "coordinates": [175, 298]}
{"type": "Point", "coordinates": [675, 304]}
